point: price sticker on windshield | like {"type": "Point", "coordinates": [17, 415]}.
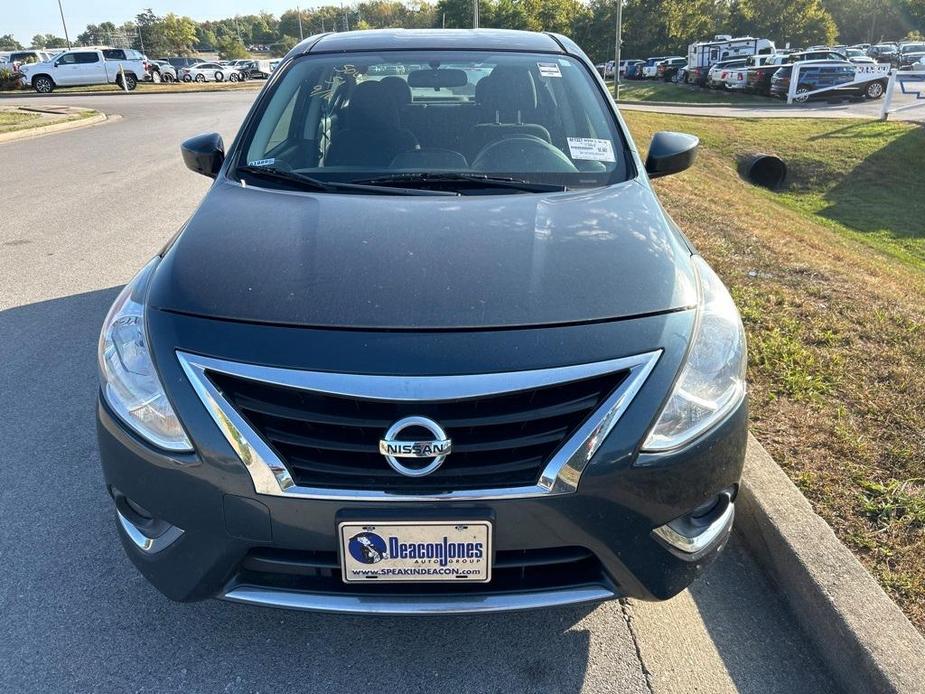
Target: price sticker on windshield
{"type": "Point", "coordinates": [549, 70]}
{"type": "Point", "coordinates": [590, 149]}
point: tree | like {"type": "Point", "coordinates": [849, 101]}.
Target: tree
{"type": "Point", "coordinates": [231, 48]}
{"type": "Point", "coordinates": [283, 46]}
{"type": "Point", "coordinates": [97, 34]}
{"type": "Point", "coordinates": [48, 41]}
{"type": "Point", "coordinates": [179, 33]}
{"type": "Point", "coordinates": [798, 22]}
{"type": "Point", "coordinates": [8, 42]}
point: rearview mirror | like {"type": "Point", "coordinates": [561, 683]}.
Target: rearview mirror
{"type": "Point", "coordinates": [671, 153]}
{"type": "Point", "coordinates": [204, 154]}
{"type": "Point", "coordinates": [437, 79]}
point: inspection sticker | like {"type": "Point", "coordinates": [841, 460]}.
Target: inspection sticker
{"type": "Point", "coordinates": [549, 70]}
{"type": "Point", "coordinates": [590, 148]}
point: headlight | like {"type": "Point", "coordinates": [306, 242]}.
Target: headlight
{"type": "Point", "coordinates": [712, 381]}
{"type": "Point", "coordinates": [127, 375]}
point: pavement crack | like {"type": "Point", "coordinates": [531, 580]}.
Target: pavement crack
{"type": "Point", "coordinates": [628, 618]}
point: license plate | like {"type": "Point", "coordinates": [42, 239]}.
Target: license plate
{"type": "Point", "coordinates": [416, 551]}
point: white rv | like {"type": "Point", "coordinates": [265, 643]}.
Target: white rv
{"type": "Point", "coordinates": [703, 54]}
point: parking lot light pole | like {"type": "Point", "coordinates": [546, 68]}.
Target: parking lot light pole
{"type": "Point", "coordinates": [66, 37]}
{"type": "Point", "coordinates": [616, 50]}
{"type": "Point", "coordinates": [475, 14]}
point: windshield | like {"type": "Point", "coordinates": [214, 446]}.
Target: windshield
{"type": "Point", "coordinates": [352, 117]}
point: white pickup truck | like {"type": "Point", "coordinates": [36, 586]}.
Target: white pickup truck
{"type": "Point", "coordinates": [85, 66]}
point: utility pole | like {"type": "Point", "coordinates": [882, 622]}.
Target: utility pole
{"type": "Point", "coordinates": [299, 12]}
{"type": "Point", "coordinates": [475, 14]}
{"type": "Point", "coordinates": [616, 51]}
{"type": "Point", "coordinates": [346, 20]}
{"type": "Point", "coordinates": [66, 37]}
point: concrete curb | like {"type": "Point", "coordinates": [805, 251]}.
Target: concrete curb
{"type": "Point", "coordinates": [28, 133]}
{"type": "Point", "coordinates": [867, 642]}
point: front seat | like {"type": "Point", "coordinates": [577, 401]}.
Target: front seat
{"type": "Point", "coordinates": [373, 136]}
{"type": "Point", "coordinates": [507, 103]}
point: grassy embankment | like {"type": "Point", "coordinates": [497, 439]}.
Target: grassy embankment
{"type": "Point", "coordinates": [829, 274]}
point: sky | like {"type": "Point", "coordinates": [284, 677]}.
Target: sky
{"type": "Point", "coordinates": [31, 17]}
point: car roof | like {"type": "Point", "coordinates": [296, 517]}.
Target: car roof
{"type": "Point", "coordinates": [435, 39]}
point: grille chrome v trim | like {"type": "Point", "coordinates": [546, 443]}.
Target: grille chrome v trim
{"type": "Point", "coordinates": [560, 475]}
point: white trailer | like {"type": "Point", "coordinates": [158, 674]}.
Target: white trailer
{"type": "Point", "coordinates": [723, 47]}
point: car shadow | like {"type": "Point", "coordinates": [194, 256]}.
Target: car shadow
{"type": "Point", "coordinates": [77, 615]}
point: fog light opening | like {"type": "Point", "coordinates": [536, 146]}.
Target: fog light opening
{"type": "Point", "coordinates": [702, 526]}
{"type": "Point", "coordinates": [147, 533]}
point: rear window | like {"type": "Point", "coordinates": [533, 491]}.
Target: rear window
{"type": "Point", "coordinates": [538, 117]}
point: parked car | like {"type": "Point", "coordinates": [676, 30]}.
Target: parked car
{"type": "Point", "coordinates": [882, 52]}
{"type": "Point", "coordinates": [650, 69]}
{"type": "Point", "coordinates": [633, 69]}
{"type": "Point", "coordinates": [165, 71]}
{"type": "Point", "coordinates": [16, 58]}
{"type": "Point", "coordinates": [208, 72]}
{"type": "Point", "coordinates": [856, 55]}
{"type": "Point", "coordinates": [908, 54]}
{"type": "Point", "coordinates": [813, 77]}
{"type": "Point", "coordinates": [716, 77]}
{"type": "Point", "coordinates": [289, 406]}
{"type": "Point", "coordinates": [82, 67]}
{"type": "Point", "coordinates": [180, 62]}
{"type": "Point", "coordinates": [667, 70]}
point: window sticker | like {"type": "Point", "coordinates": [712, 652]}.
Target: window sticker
{"type": "Point", "coordinates": [262, 162]}
{"type": "Point", "coordinates": [549, 70]}
{"type": "Point", "coordinates": [590, 149]}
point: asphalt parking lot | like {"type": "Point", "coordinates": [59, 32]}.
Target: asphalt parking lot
{"type": "Point", "coordinates": [86, 209]}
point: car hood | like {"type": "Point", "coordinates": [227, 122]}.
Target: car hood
{"type": "Point", "coordinates": [402, 262]}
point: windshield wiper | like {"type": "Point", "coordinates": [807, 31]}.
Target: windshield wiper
{"type": "Point", "coordinates": [310, 183]}
{"type": "Point", "coordinates": [454, 180]}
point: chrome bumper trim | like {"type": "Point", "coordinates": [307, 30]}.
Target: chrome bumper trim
{"type": "Point", "coordinates": [705, 538]}
{"type": "Point", "coordinates": [415, 605]}
{"type": "Point", "coordinates": [148, 545]}
{"type": "Point", "coordinates": [560, 476]}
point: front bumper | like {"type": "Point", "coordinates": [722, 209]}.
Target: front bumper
{"type": "Point", "coordinates": [252, 548]}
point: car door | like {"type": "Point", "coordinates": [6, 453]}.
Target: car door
{"type": "Point", "coordinates": [89, 68]}
{"type": "Point", "coordinates": [65, 69]}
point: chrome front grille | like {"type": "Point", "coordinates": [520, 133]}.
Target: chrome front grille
{"type": "Point", "coordinates": [499, 441]}
{"type": "Point", "coordinates": [316, 434]}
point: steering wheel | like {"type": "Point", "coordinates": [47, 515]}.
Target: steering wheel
{"type": "Point", "coordinates": [522, 153]}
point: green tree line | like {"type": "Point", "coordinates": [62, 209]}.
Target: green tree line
{"type": "Point", "coordinates": [650, 27]}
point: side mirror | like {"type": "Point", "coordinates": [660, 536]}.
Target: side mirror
{"type": "Point", "coordinates": [671, 153]}
{"type": "Point", "coordinates": [204, 154]}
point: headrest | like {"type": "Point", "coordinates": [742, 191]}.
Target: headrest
{"type": "Point", "coordinates": [507, 90]}
{"type": "Point", "coordinates": [398, 89]}
{"type": "Point", "coordinates": [371, 107]}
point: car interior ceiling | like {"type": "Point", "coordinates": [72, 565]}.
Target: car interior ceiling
{"type": "Point", "coordinates": [507, 121]}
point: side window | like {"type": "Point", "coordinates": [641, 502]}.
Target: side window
{"type": "Point", "coordinates": [67, 59]}
{"type": "Point", "coordinates": [87, 58]}
{"type": "Point", "coordinates": [281, 131]}
{"type": "Point", "coordinates": [114, 54]}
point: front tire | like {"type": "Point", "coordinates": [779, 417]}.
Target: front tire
{"type": "Point", "coordinates": [802, 95]}
{"type": "Point", "coordinates": [219, 76]}
{"type": "Point", "coordinates": [167, 77]}
{"type": "Point", "coordinates": [187, 78]}
{"type": "Point", "coordinates": [232, 77]}
{"type": "Point", "coordinates": [874, 90]}
{"type": "Point", "coordinates": [43, 84]}
{"type": "Point", "coordinates": [200, 78]}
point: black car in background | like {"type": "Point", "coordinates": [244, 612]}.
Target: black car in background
{"type": "Point", "coordinates": [813, 77]}
{"type": "Point", "coordinates": [429, 345]}
{"type": "Point", "coordinates": [908, 54]}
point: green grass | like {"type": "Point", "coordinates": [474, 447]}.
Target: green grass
{"type": "Point", "coordinates": [667, 92]}
{"type": "Point", "coordinates": [860, 178]}
{"type": "Point", "coordinates": [16, 121]}
{"type": "Point", "coordinates": [829, 276]}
